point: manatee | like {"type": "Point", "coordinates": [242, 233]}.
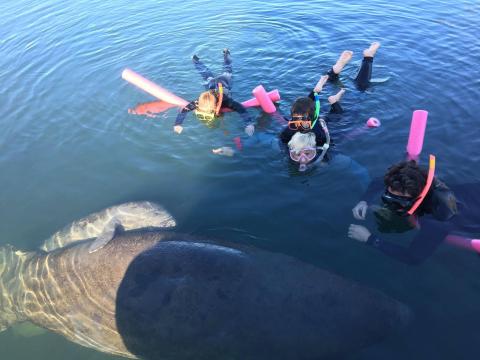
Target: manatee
{"type": "Point", "coordinates": [158, 294]}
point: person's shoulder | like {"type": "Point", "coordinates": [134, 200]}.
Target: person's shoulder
{"type": "Point", "coordinates": [445, 202]}
{"type": "Point", "coordinates": [286, 134]}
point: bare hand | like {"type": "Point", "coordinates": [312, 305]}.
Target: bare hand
{"type": "Point", "coordinates": [224, 150]}
{"type": "Point", "coordinates": [178, 129]}
{"type": "Point", "coordinates": [250, 129]}
{"type": "Point", "coordinates": [358, 232]}
{"type": "Point", "coordinates": [360, 210]}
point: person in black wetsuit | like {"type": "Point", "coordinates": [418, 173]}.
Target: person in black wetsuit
{"type": "Point", "coordinates": [218, 89]}
{"type": "Point", "coordinates": [305, 111]}
{"type": "Point", "coordinates": [442, 212]}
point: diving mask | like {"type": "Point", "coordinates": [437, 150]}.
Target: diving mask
{"type": "Point", "coordinates": [304, 156]}
{"type": "Point", "coordinates": [204, 115]}
{"type": "Point", "coordinates": [397, 203]}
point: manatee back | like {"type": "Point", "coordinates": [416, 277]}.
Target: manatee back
{"type": "Point", "coordinates": [183, 300]}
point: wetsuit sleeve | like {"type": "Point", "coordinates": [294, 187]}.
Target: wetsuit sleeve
{"type": "Point", "coordinates": [239, 108]}
{"type": "Point", "coordinates": [444, 204]}
{"type": "Point", "coordinates": [422, 246]}
{"type": "Point", "coordinates": [183, 113]}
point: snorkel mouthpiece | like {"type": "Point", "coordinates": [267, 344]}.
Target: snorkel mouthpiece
{"type": "Point", "coordinates": [302, 167]}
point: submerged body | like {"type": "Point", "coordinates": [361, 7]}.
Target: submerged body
{"type": "Point", "coordinates": [158, 294]}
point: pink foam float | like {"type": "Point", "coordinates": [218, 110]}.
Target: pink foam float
{"type": "Point", "coordinates": [151, 88]}
{"type": "Point", "coordinates": [464, 242]}
{"type": "Point", "coordinates": [417, 133]}
{"type": "Point", "coordinates": [373, 122]}
{"type": "Point", "coordinates": [264, 100]}
{"type": "Point", "coordinates": [274, 96]}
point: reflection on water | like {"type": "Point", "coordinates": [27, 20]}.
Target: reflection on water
{"type": "Point", "coordinates": [68, 146]}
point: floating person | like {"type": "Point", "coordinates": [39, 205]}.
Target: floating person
{"type": "Point", "coordinates": [305, 113]}
{"type": "Point", "coordinates": [413, 198]}
{"type": "Point", "coordinates": [154, 294]}
{"type": "Point", "coordinates": [217, 95]}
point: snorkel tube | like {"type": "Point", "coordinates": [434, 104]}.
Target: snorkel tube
{"type": "Point", "coordinates": [431, 173]}
{"type": "Point", "coordinates": [323, 124]}
{"type": "Point", "coordinates": [325, 146]}
{"type": "Point", "coordinates": [219, 99]}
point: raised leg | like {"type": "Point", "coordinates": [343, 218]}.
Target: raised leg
{"type": "Point", "coordinates": [365, 73]}
{"type": "Point", "coordinates": [337, 68]}
{"type": "Point", "coordinates": [202, 69]}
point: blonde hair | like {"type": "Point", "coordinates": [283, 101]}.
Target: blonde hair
{"type": "Point", "coordinates": [207, 102]}
{"type": "Point", "coordinates": [301, 141]}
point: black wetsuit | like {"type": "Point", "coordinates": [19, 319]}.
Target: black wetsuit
{"type": "Point", "coordinates": [362, 81]}
{"type": "Point", "coordinates": [442, 212]}
{"type": "Point", "coordinates": [211, 84]}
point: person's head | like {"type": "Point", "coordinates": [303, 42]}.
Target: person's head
{"type": "Point", "coordinates": [302, 114]}
{"type": "Point", "coordinates": [403, 184]}
{"type": "Point", "coordinates": [303, 148]}
{"type": "Point", "coordinates": [206, 106]}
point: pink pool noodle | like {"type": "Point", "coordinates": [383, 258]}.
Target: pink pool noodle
{"type": "Point", "coordinates": [265, 103]}
{"type": "Point", "coordinates": [152, 88]}
{"type": "Point", "coordinates": [274, 95]}
{"type": "Point", "coordinates": [417, 133]}
{"type": "Point", "coordinates": [463, 242]}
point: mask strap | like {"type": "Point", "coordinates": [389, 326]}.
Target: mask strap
{"type": "Point", "coordinates": [431, 173]}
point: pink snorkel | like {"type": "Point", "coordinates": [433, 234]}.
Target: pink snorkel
{"type": "Point", "coordinates": [431, 173]}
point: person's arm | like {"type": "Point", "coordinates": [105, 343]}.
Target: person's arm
{"type": "Point", "coordinates": [360, 209]}
{"type": "Point", "coordinates": [239, 108]}
{"type": "Point", "coordinates": [183, 113]}
{"type": "Point", "coordinates": [422, 246]}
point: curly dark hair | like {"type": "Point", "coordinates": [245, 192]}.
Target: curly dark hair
{"type": "Point", "coordinates": [406, 177]}
{"type": "Point", "coordinates": [303, 105]}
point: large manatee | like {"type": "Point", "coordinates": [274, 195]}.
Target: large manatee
{"type": "Point", "coordinates": [156, 294]}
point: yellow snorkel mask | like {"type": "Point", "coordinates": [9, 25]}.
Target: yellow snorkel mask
{"type": "Point", "coordinates": [210, 115]}
{"type": "Point", "coordinates": [205, 116]}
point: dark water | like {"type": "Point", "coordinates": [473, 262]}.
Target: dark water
{"type": "Point", "coordinates": [68, 147]}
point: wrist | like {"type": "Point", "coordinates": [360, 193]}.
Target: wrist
{"type": "Point", "coordinates": [373, 240]}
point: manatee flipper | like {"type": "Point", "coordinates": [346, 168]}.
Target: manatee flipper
{"type": "Point", "coordinates": [107, 234]}
{"type": "Point", "coordinates": [132, 215]}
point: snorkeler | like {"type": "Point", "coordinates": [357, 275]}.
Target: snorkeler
{"type": "Point", "coordinates": [217, 95]}
{"type": "Point", "coordinates": [305, 111]}
{"type": "Point", "coordinates": [414, 198]}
